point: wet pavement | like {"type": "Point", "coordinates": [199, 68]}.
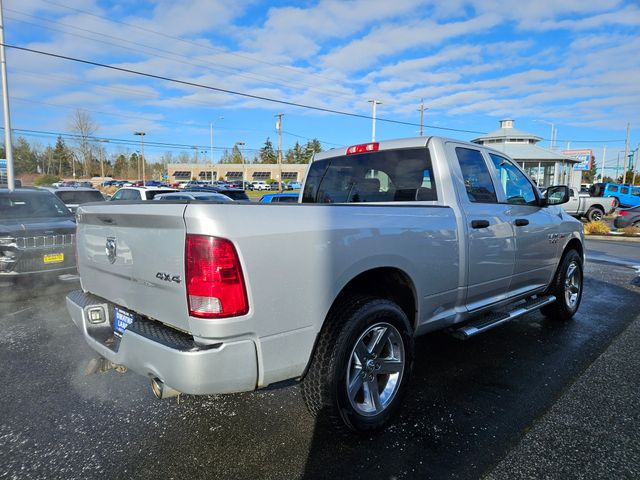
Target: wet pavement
{"type": "Point", "coordinates": [469, 404]}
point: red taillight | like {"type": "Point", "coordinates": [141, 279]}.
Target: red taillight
{"type": "Point", "coordinates": [215, 286]}
{"type": "Point", "coordinates": [362, 148]}
{"type": "Point", "coordinates": [623, 212]}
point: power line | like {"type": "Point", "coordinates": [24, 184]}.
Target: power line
{"type": "Point", "coordinates": [231, 92]}
{"type": "Point", "coordinates": [174, 56]}
{"type": "Point", "coordinates": [190, 42]}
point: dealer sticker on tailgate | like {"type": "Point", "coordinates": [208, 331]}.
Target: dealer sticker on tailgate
{"type": "Point", "coordinates": [122, 320]}
{"type": "Point", "coordinates": [53, 258]}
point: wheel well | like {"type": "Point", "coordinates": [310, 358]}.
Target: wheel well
{"type": "Point", "coordinates": [385, 282]}
{"type": "Point", "coordinates": [574, 244]}
{"type": "Point", "coordinates": [599, 207]}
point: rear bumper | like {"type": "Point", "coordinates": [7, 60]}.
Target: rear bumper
{"type": "Point", "coordinates": [156, 351]}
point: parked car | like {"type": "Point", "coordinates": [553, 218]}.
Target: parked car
{"type": "Point", "coordinates": [391, 240]}
{"type": "Point", "coordinates": [294, 186]}
{"type": "Point", "coordinates": [592, 208]}
{"type": "Point", "coordinates": [155, 183]}
{"type": "Point", "coordinates": [139, 193]}
{"type": "Point", "coordinates": [37, 235]}
{"type": "Point", "coordinates": [234, 193]}
{"type": "Point", "coordinates": [74, 196]}
{"type": "Point", "coordinates": [279, 198]}
{"type": "Point", "coordinates": [624, 195]}
{"type": "Point", "coordinates": [276, 186]}
{"type": "Point", "coordinates": [627, 217]}
{"type": "Point", "coordinates": [260, 185]}
{"type": "Point", "coordinates": [201, 196]}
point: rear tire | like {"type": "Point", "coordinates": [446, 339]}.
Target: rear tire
{"type": "Point", "coordinates": [361, 366]}
{"type": "Point", "coordinates": [595, 214]}
{"type": "Point", "coordinates": [566, 287]}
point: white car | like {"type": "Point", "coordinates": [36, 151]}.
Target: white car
{"type": "Point", "coordinates": [139, 193]}
{"type": "Point", "coordinates": [260, 185]}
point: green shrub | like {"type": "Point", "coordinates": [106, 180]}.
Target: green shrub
{"type": "Point", "coordinates": [45, 180]}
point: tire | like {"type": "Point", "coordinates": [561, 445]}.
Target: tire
{"type": "Point", "coordinates": [595, 214]}
{"type": "Point", "coordinates": [566, 287]}
{"type": "Point", "coordinates": [366, 342]}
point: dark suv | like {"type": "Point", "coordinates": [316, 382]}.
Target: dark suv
{"type": "Point", "coordinates": [37, 234]}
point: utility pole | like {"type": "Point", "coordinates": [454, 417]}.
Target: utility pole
{"type": "Point", "coordinates": [604, 159]}
{"type": "Point", "coordinates": [373, 118]}
{"type": "Point", "coordinates": [421, 110]}
{"type": "Point", "coordinates": [626, 157]}
{"type": "Point", "coordinates": [5, 107]}
{"type": "Point", "coordinates": [243, 164]}
{"type": "Point", "coordinates": [279, 129]}
{"type": "Point", "coordinates": [142, 134]}
{"type": "Point", "coordinates": [102, 157]}
{"type": "Point", "coordinates": [635, 166]}
{"type": "Point", "coordinates": [211, 143]}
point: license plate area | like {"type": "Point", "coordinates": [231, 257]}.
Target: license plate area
{"type": "Point", "coordinates": [53, 258]}
{"type": "Point", "coordinates": [122, 319]}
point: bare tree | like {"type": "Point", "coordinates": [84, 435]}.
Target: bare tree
{"type": "Point", "coordinates": [84, 127]}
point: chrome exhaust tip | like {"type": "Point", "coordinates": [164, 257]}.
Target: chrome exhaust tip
{"type": "Point", "coordinates": [160, 390]}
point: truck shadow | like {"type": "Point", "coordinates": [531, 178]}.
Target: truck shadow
{"type": "Point", "coordinates": [469, 401]}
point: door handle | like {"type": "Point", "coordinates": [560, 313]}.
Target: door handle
{"type": "Point", "coordinates": [521, 222]}
{"type": "Point", "coordinates": [479, 223]}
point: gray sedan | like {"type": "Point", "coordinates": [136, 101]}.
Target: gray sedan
{"type": "Point", "coordinates": [202, 196]}
{"type": "Point", "coordinates": [628, 217]}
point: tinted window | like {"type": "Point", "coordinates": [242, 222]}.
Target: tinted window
{"type": "Point", "coordinates": [385, 176]}
{"type": "Point", "coordinates": [515, 185]}
{"type": "Point", "coordinates": [288, 199]}
{"type": "Point", "coordinates": [235, 194]}
{"type": "Point", "coordinates": [31, 205]}
{"type": "Point", "coordinates": [612, 188]}
{"type": "Point", "coordinates": [151, 194]}
{"type": "Point", "coordinates": [81, 196]}
{"type": "Point", "coordinates": [624, 190]}
{"type": "Point", "coordinates": [475, 173]}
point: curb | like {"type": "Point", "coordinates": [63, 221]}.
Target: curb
{"type": "Point", "coordinates": [614, 238]}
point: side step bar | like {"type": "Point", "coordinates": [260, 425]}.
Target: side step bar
{"type": "Point", "coordinates": [492, 320]}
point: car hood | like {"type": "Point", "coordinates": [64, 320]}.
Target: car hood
{"type": "Point", "coordinates": [36, 226]}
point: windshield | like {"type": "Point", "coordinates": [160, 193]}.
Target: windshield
{"type": "Point", "coordinates": [384, 176]}
{"type": "Point", "coordinates": [31, 205]}
{"type": "Point", "coordinates": [80, 196]}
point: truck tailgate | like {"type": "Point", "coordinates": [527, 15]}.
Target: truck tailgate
{"type": "Point", "coordinates": [132, 254]}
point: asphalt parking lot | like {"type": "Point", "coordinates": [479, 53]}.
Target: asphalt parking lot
{"type": "Point", "coordinates": [469, 405]}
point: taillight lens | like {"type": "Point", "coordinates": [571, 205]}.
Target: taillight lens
{"type": "Point", "coordinates": [623, 212]}
{"type": "Point", "coordinates": [363, 148]}
{"type": "Point", "coordinates": [215, 285]}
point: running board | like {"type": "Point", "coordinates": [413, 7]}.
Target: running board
{"type": "Point", "coordinates": [492, 320]}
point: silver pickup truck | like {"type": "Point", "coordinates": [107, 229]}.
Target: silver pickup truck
{"type": "Point", "coordinates": [583, 205]}
{"type": "Point", "coordinates": [389, 240]}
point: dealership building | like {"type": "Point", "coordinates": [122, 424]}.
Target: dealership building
{"type": "Point", "coordinates": [545, 167]}
{"type": "Point", "coordinates": [180, 172]}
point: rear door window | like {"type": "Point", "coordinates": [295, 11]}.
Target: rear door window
{"type": "Point", "coordinates": [385, 176]}
{"type": "Point", "coordinates": [477, 179]}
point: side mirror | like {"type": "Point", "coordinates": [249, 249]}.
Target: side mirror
{"type": "Point", "coordinates": [556, 195]}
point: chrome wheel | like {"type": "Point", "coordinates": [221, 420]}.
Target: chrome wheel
{"type": "Point", "coordinates": [375, 369]}
{"type": "Point", "coordinates": [572, 285]}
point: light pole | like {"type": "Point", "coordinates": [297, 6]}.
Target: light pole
{"type": "Point", "coordinates": [141, 134]}
{"type": "Point", "coordinates": [5, 107]}
{"type": "Point", "coordinates": [373, 103]}
{"type": "Point", "coordinates": [243, 164]}
{"type": "Point", "coordinates": [211, 143]}
{"type": "Point", "coordinates": [552, 139]}
{"type": "Point", "coordinates": [102, 140]}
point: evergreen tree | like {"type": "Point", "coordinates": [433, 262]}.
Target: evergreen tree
{"type": "Point", "coordinates": [267, 154]}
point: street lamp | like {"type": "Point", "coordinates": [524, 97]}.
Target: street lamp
{"type": "Point", "coordinates": [211, 124]}
{"type": "Point", "coordinates": [243, 164]}
{"type": "Point", "coordinates": [102, 140]}
{"type": "Point", "coordinates": [554, 132]}
{"type": "Point", "coordinates": [141, 134]}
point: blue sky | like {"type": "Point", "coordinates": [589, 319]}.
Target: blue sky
{"type": "Point", "coordinates": [573, 63]}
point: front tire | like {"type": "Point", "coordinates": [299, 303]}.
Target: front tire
{"type": "Point", "coordinates": [566, 287]}
{"type": "Point", "coordinates": [361, 366]}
